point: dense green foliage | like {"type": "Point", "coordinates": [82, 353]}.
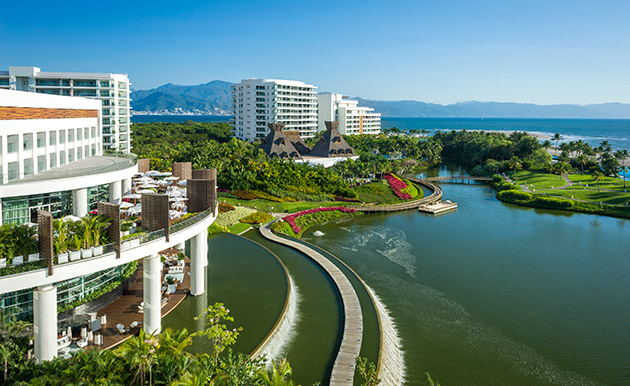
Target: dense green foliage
{"type": "Point", "coordinates": [240, 165]}
{"type": "Point", "coordinates": [488, 153]}
{"type": "Point", "coordinates": [144, 359]}
{"type": "Point", "coordinates": [547, 202]}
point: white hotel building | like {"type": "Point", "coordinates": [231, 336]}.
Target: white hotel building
{"type": "Point", "coordinates": [51, 160]}
{"type": "Point", "coordinates": [257, 102]}
{"type": "Point", "coordinates": [112, 90]}
{"type": "Point", "coordinates": [352, 118]}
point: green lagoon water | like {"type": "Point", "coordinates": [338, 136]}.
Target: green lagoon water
{"type": "Point", "coordinates": [494, 294]}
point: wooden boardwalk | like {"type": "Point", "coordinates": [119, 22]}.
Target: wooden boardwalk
{"type": "Point", "coordinates": [435, 196]}
{"type": "Point", "coordinates": [345, 362]}
{"type": "Point", "coordinates": [125, 309]}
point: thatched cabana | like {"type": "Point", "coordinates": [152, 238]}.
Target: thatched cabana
{"type": "Point", "coordinates": [277, 144]}
{"type": "Point", "coordinates": [332, 143]}
{"type": "Point", "coordinates": [297, 141]}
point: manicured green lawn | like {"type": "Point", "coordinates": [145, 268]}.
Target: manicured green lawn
{"type": "Point", "coordinates": [377, 192]}
{"type": "Point", "coordinates": [608, 183]}
{"type": "Point", "coordinates": [591, 194]}
{"type": "Point", "coordinates": [539, 179]}
{"type": "Point", "coordinates": [280, 207]}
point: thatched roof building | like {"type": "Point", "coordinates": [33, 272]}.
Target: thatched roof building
{"type": "Point", "coordinates": [332, 143]}
{"type": "Point", "coordinates": [277, 144]}
{"type": "Point", "coordinates": [297, 141]}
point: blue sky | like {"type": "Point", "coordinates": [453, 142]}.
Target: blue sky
{"type": "Point", "coordinates": [542, 52]}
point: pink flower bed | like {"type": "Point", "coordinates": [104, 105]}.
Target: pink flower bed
{"type": "Point", "coordinates": [397, 186]}
{"type": "Point", "coordinates": [296, 228]}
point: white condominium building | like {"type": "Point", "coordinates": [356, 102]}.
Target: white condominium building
{"type": "Point", "coordinates": [352, 118]}
{"type": "Point", "coordinates": [111, 89]}
{"type": "Point", "coordinates": [257, 102]}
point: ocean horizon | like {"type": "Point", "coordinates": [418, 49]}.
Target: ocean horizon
{"type": "Point", "coordinates": [593, 131]}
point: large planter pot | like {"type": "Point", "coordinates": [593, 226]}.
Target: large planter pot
{"type": "Point", "coordinates": [33, 257]}
{"type": "Point", "coordinates": [75, 255]}
{"type": "Point", "coordinates": [3, 263]}
{"type": "Point", "coordinates": [124, 233]}
{"type": "Point", "coordinates": [97, 251]}
{"type": "Point", "coordinates": [85, 253]}
{"type": "Point", "coordinates": [62, 258]}
{"type": "Point", "coordinates": [17, 260]}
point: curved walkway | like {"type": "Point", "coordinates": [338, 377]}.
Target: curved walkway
{"type": "Point", "coordinates": [345, 363]}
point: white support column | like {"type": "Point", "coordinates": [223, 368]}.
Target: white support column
{"type": "Point", "coordinates": [115, 189]}
{"type": "Point", "coordinates": [45, 322]}
{"type": "Point", "coordinates": [181, 246]}
{"type": "Point", "coordinates": [79, 202]}
{"type": "Point", "coordinates": [126, 186]}
{"type": "Point", "coordinates": [198, 258]}
{"type": "Point", "coordinates": [151, 285]}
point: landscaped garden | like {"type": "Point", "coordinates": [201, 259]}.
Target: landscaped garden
{"type": "Point", "coordinates": [296, 224]}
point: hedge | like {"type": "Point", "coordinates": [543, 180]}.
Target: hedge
{"type": "Point", "coordinates": [296, 224]}
{"type": "Point", "coordinates": [256, 218]}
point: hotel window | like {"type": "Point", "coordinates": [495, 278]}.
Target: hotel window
{"type": "Point", "coordinates": [78, 134]}
{"type": "Point", "coordinates": [93, 132]}
{"type": "Point", "coordinates": [70, 135]}
{"type": "Point", "coordinates": [41, 163]}
{"type": "Point", "coordinates": [86, 150]}
{"type": "Point", "coordinates": [62, 157]}
{"type": "Point", "coordinates": [62, 136]}
{"type": "Point", "coordinates": [86, 133]}
{"type": "Point", "coordinates": [12, 143]}
{"type": "Point", "coordinates": [53, 160]}
{"type": "Point", "coordinates": [28, 141]}
{"type": "Point", "coordinates": [52, 138]}
{"type": "Point", "coordinates": [71, 155]}
{"type": "Point", "coordinates": [79, 153]}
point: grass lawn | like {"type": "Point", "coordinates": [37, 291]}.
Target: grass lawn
{"type": "Point", "coordinates": [591, 194]}
{"type": "Point", "coordinates": [540, 179]}
{"type": "Point", "coordinates": [281, 207]}
{"type": "Point", "coordinates": [608, 183]}
{"type": "Point", "coordinates": [377, 192]}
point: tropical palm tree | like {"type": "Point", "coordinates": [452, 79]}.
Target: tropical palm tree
{"type": "Point", "coordinates": [515, 163]}
{"type": "Point", "coordinates": [557, 137]}
{"type": "Point", "coordinates": [582, 160]}
{"type": "Point", "coordinates": [139, 352]}
{"type": "Point", "coordinates": [278, 375]}
{"type": "Point", "coordinates": [598, 176]}
{"type": "Point", "coordinates": [5, 356]}
{"type": "Point", "coordinates": [621, 156]}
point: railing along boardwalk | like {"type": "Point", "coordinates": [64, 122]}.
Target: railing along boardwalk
{"type": "Point", "coordinates": [413, 204]}
{"type": "Point", "coordinates": [345, 362]}
{"type": "Point", "coordinates": [459, 179]}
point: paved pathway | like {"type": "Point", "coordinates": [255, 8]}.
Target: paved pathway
{"type": "Point", "coordinates": [345, 363]}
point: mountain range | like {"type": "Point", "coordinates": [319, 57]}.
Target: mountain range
{"type": "Point", "coordinates": [213, 98]}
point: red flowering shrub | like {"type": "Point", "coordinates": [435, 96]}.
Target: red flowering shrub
{"type": "Point", "coordinates": [397, 186]}
{"type": "Point", "coordinates": [290, 219]}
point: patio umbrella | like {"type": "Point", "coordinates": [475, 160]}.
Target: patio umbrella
{"type": "Point", "coordinates": [151, 185]}
{"type": "Point", "coordinates": [125, 205]}
{"type": "Point", "coordinates": [182, 182]}
{"type": "Point", "coordinates": [132, 196]}
{"type": "Point", "coordinates": [171, 178]}
{"type": "Point", "coordinates": [71, 218]}
{"type": "Point", "coordinates": [145, 191]}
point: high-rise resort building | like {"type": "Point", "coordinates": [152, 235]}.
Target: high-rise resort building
{"type": "Point", "coordinates": [113, 90]}
{"type": "Point", "coordinates": [54, 271]}
{"type": "Point", "coordinates": [258, 102]}
{"type": "Point", "coordinates": [352, 118]}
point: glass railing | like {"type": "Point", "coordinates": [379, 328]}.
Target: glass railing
{"type": "Point", "coordinates": [190, 221]}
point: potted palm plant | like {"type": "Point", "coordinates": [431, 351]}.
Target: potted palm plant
{"type": "Point", "coordinates": [61, 241]}
{"type": "Point", "coordinates": [99, 228]}
{"type": "Point", "coordinates": [87, 223]}
{"type": "Point", "coordinates": [25, 244]}
{"type": "Point", "coordinates": [75, 247]}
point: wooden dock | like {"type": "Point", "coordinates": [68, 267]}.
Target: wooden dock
{"type": "Point", "coordinates": [345, 362]}
{"type": "Point", "coordinates": [438, 207]}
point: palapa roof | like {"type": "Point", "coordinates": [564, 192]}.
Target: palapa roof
{"type": "Point", "coordinates": [332, 143]}
{"type": "Point", "coordinates": [277, 144]}
{"type": "Point", "coordinates": [297, 141]}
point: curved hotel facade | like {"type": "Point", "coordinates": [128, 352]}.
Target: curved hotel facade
{"type": "Point", "coordinates": [52, 165]}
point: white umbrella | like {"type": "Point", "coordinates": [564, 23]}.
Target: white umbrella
{"type": "Point", "coordinates": [149, 186]}
{"type": "Point", "coordinates": [125, 205]}
{"type": "Point", "coordinates": [132, 196]}
{"type": "Point", "coordinates": [174, 193]}
{"type": "Point", "coordinates": [162, 182]}
{"type": "Point", "coordinates": [145, 191]}
{"type": "Point", "coordinates": [182, 182]}
{"type": "Point", "coordinates": [171, 178]}
{"type": "Point", "coordinates": [71, 218]}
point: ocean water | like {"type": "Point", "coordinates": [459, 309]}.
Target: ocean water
{"type": "Point", "coordinates": [592, 131]}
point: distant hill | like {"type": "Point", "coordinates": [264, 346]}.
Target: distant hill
{"type": "Point", "coordinates": [475, 109]}
{"type": "Point", "coordinates": [209, 98]}
{"type": "Point", "coordinates": [213, 98]}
